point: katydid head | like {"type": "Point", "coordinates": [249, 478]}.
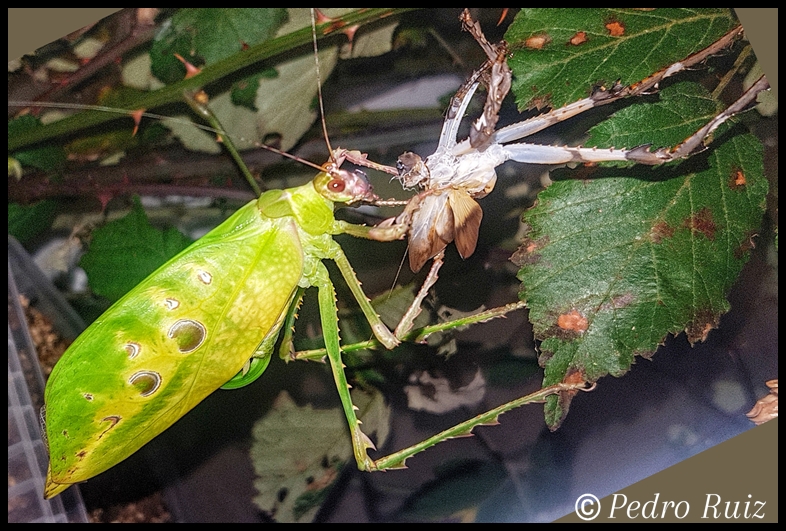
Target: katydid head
{"type": "Point", "coordinates": [344, 186]}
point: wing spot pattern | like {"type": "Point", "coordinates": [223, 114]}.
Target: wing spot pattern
{"type": "Point", "coordinates": [188, 334]}
{"type": "Point", "coordinates": [147, 382]}
{"type": "Point", "coordinates": [133, 349]}
{"type": "Point", "coordinates": [204, 276]}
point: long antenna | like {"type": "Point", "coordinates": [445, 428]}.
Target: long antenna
{"type": "Point", "coordinates": [319, 83]}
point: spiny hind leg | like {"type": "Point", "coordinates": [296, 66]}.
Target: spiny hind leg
{"type": "Point", "coordinates": [329, 317]}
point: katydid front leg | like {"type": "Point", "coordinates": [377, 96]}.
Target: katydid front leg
{"type": "Point", "coordinates": [395, 229]}
{"type": "Point", "coordinates": [379, 328]}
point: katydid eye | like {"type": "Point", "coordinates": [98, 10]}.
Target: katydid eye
{"type": "Point", "coordinates": [336, 185]}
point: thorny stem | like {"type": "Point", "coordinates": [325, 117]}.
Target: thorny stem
{"type": "Point", "coordinates": [209, 74]}
{"type": "Point", "coordinates": [464, 429]}
{"type": "Point", "coordinates": [204, 111]}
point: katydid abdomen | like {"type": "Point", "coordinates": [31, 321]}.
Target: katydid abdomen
{"type": "Point", "coordinates": [180, 334]}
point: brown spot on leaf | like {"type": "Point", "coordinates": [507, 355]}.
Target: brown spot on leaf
{"type": "Point", "coordinates": [646, 354]}
{"type": "Point", "coordinates": [573, 321]}
{"type": "Point", "coordinates": [699, 328]}
{"type": "Point", "coordinates": [702, 222]}
{"type": "Point", "coordinates": [527, 253]}
{"type": "Point", "coordinates": [615, 28]}
{"type": "Point", "coordinates": [746, 245]}
{"type": "Point", "coordinates": [537, 42]}
{"type": "Point", "coordinates": [88, 396]}
{"type": "Point", "coordinates": [622, 301]}
{"type": "Point", "coordinates": [540, 102]}
{"type": "Point", "coordinates": [579, 38]}
{"type": "Point", "coordinates": [737, 180]}
{"type": "Point", "coordinates": [661, 231]}
{"type": "Point", "coordinates": [564, 398]}
{"type": "Point", "coordinates": [573, 377]}
{"type": "Point", "coordinates": [81, 454]}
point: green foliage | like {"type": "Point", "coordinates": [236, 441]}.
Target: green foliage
{"type": "Point", "coordinates": [560, 54]}
{"type": "Point", "coordinates": [298, 452]}
{"type": "Point", "coordinates": [27, 221]}
{"type": "Point", "coordinates": [616, 259]}
{"type": "Point", "coordinates": [125, 251]}
{"type": "Point", "coordinates": [206, 36]}
{"type": "Point", "coordinates": [48, 157]}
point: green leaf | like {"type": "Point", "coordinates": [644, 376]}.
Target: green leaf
{"type": "Point", "coordinates": [125, 251]}
{"type": "Point", "coordinates": [244, 92]}
{"type": "Point", "coordinates": [298, 452]}
{"type": "Point", "coordinates": [206, 36]}
{"type": "Point", "coordinates": [26, 221]}
{"type": "Point", "coordinates": [615, 262]}
{"type": "Point", "coordinates": [560, 54]}
{"type": "Point", "coordinates": [47, 158]}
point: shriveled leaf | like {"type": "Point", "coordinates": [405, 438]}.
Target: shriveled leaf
{"type": "Point", "coordinates": [298, 452]}
{"type": "Point", "coordinates": [560, 54]}
{"type": "Point", "coordinates": [615, 262]}
{"type": "Point", "coordinates": [125, 251]}
{"type": "Point", "coordinates": [766, 408]}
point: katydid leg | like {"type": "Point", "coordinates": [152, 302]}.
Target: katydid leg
{"type": "Point", "coordinates": [464, 429]}
{"type": "Point", "coordinates": [329, 317]}
{"type": "Point", "coordinates": [379, 328]}
{"type": "Point", "coordinates": [286, 350]}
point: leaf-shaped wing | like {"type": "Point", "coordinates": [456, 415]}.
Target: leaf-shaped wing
{"type": "Point", "coordinates": [170, 342]}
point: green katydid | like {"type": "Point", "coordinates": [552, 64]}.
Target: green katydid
{"type": "Point", "coordinates": [210, 317]}
{"type": "Point", "coordinates": [164, 347]}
